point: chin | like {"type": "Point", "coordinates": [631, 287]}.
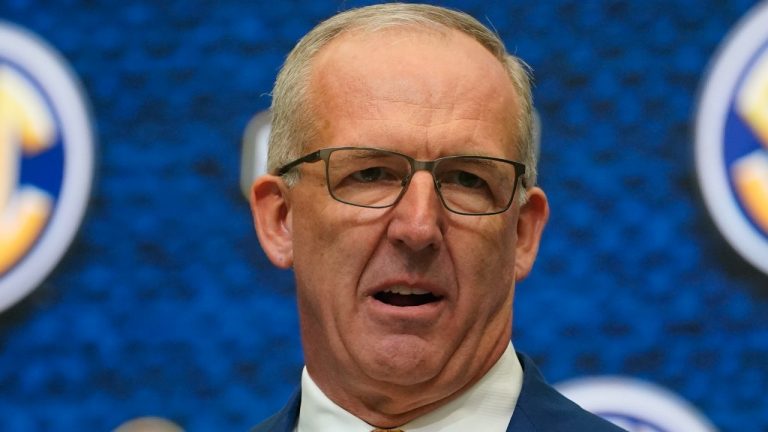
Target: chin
{"type": "Point", "coordinates": [402, 360]}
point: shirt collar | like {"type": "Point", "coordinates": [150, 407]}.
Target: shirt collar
{"type": "Point", "coordinates": [487, 405]}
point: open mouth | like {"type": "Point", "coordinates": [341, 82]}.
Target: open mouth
{"type": "Point", "coordinates": [405, 297]}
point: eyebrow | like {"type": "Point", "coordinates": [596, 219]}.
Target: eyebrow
{"type": "Point", "coordinates": [372, 153]}
{"type": "Point", "coordinates": [469, 159]}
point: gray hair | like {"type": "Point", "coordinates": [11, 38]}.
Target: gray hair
{"type": "Point", "coordinates": [292, 123]}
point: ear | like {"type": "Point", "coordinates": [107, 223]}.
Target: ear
{"type": "Point", "coordinates": [530, 225]}
{"type": "Point", "coordinates": [272, 219]}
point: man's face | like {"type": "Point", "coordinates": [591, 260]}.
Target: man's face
{"type": "Point", "coordinates": [426, 95]}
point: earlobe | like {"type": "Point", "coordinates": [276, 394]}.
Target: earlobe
{"type": "Point", "coordinates": [530, 226]}
{"type": "Point", "coordinates": [271, 218]}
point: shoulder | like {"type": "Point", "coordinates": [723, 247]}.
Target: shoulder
{"type": "Point", "coordinates": [285, 419]}
{"type": "Point", "coordinates": [541, 407]}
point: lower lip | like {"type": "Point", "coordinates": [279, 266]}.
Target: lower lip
{"type": "Point", "coordinates": [388, 314]}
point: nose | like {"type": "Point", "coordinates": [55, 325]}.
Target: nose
{"type": "Point", "coordinates": [418, 219]}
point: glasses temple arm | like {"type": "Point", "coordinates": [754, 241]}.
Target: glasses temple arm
{"type": "Point", "coordinates": [310, 158]}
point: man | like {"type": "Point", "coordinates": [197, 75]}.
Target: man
{"type": "Point", "coordinates": [402, 192]}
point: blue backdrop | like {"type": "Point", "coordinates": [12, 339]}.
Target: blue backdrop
{"type": "Point", "coordinates": [165, 305]}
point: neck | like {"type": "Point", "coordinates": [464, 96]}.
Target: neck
{"type": "Point", "coordinates": [387, 405]}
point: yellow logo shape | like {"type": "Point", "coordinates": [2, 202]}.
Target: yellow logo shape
{"type": "Point", "coordinates": [26, 126]}
{"type": "Point", "coordinates": [750, 172]}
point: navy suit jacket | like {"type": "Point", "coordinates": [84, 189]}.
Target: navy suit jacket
{"type": "Point", "coordinates": [540, 408]}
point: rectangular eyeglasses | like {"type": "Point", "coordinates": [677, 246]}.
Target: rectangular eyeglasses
{"type": "Point", "coordinates": [377, 178]}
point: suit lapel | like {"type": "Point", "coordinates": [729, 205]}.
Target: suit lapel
{"type": "Point", "coordinates": [529, 395]}
{"type": "Point", "coordinates": [285, 420]}
{"type": "Point", "coordinates": [541, 408]}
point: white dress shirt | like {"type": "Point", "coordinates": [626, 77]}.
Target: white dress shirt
{"type": "Point", "coordinates": [486, 406]}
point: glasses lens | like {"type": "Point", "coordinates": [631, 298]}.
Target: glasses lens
{"type": "Point", "coordinates": [366, 177]}
{"type": "Point", "coordinates": [475, 185]}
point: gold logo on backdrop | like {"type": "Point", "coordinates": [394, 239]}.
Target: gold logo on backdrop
{"type": "Point", "coordinates": [26, 128]}
{"type": "Point", "coordinates": [731, 138]}
{"type": "Point", "coordinates": [750, 172]}
{"type": "Point", "coordinates": [46, 160]}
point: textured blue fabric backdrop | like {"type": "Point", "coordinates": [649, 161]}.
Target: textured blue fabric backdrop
{"type": "Point", "coordinates": [165, 305]}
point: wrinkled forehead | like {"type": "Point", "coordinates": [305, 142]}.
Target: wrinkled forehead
{"type": "Point", "coordinates": [435, 69]}
{"type": "Point", "coordinates": [434, 53]}
{"type": "Point", "coordinates": [424, 78]}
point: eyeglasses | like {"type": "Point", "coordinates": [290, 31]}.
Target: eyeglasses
{"type": "Point", "coordinates": [375, 178]}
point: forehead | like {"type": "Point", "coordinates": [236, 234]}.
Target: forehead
{"type": "Point", "coordinates": [431, 76]}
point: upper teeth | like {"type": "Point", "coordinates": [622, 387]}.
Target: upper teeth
{"type": "Point", "coordinates": [406, 291]}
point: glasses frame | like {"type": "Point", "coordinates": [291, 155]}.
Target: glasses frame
{"type": "Point", "coordinates": [416, 165]}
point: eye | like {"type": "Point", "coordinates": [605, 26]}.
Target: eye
{"type": "Point", "coordinates": [464, 179]}
{"type": "Point", "coordinates": [370, 175]}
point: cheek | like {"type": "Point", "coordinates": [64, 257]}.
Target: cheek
{"type": "Point", "coordinates": [332, 243]}
{"type": "Point", "coordinates": [485, 239]}
{"type": "Point", "coordinates": [485, 257]}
